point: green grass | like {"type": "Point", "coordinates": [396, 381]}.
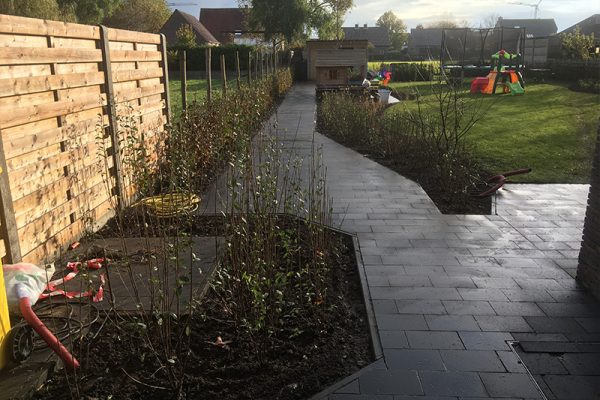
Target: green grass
{"type": "Point", "coordinates": [196, 91]}
{"type": "Point", "coordinates": [550, 129]}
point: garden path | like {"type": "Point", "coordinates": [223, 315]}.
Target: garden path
{"type": "Point", "coordinates": [449, 292]}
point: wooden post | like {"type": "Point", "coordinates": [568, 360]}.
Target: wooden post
{"type": "Point", "coordinates": [183, 76]}
{"type": "Point", "coordinates": [165, 68]}
{"type": "Point", "coordinates": [8, 224]}
{"type": "Point", "coordinates": [249, 67]}
{"type": "Point", "coordinates": [237, 67]}
{"type": "Point", "coordinates": [256, 65]}
{"type": "Point", "coordinates": [224, 74]}
{"type": "Point", "coordinates": [208, 74]}
{"type": "Point", "coordinates": [262, 65]}
{"type": "Point", "coordinates": [113, 122]}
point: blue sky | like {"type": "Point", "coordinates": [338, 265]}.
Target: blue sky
{"type": "Point", "coordinates": [413, 12]}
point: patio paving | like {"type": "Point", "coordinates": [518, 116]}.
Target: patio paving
{"type": "Point", "coordinates": [450, 291]}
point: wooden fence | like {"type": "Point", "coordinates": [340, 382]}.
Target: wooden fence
{"type": "Point", "coordinates": [64, 90]}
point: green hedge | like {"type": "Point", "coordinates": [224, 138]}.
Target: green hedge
{"type": "Point", "coordinates": [572, 71]}
{"type": "Point", "coordinates": [196, 58]}
{"type": "Point", "coordinates": [412, 72]}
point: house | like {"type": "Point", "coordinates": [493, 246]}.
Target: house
{"type": "Point", "coordinates": [588, 26]}
{"type": "Point", "coordinates": [228, 25]}
{"type": "Point", "coordinates": [332, 62]}
{"type": "Point", "coordinates": [540, 39]}
{"type": "Point", "coordinates": [425, 43]}
{"type": "Point", "coordinates": [179, 19]}
{"type": "Point", "coordinates": [378, 36]}
{"type": "Point", "coordinates": [535, 28]}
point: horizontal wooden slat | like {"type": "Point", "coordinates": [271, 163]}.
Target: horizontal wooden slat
{"type": "Point", "coordinates": [137, 93]}
{"type": "Point", "coordinates": [19, 86]}
{"type": "Point", "coordinates": [9, 116]}
{"type": "Point", "coordinates": [41, 27]}
{"type": "Point", "coordinates": [27, 55]}
{"type": "Point", "coordinates": [138, 74]}
{"type": "Point", "coordinates": [121, 35]}
{"type": "Point", "coordinates": [134, 55]}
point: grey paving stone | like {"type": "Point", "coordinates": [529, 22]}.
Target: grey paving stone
{"type": "Point", "coordinates": [540, 337]}
{"type": "Point", "coordinates": [570, 309]}
{"type": "Point", "coordinates": [464, 307]}
{"type": "Point", "coordinates": [511, 362]}
{"type": "Point", "coordinates": [434, 340]}
{"type": "Point", "coordinates": [509, 385]}
{"type": "Point", "coordinates": [543, 363]}
{"type": "Point", "coordinates": [472, 360]}
{"type": "Point", "coordinates": [452, 281]}
{"type": "Point", "coordinates": [420, 307]}
{"type": "Point", "coordinates": [572, 296]}
{"type": "Point", "coordinates": [516, 308]}
{"type": "Point", "coordinates": [485, 340]}
{"type": "Point", "coordinates": [393, 339]}
{"type": "Point", "coordinates": [569, 387]}
{"type": "Point", "coordinates": [410, 281]}
{"type": "Point", "coordinates": [482, 294]}
{"type": "Point", "coordinates": [348, 396]}
{"type": "Point", "coordinates": [498, 283]}
{"type": "Point", "coordinates": [554, 325]}
{"type": "Point", "coordinates": [452, 384]}
{"type": "Point", "coordinates": [591, 325]}
{"type": "Point", "coordinates": [418, 293]}
{"type": "Point", "coordinates": [581, 363]}
{"type": "Point", "coordinates": [548, 284]}
{"type": "Point", "coordinates": [352, 387]}
{"type": "Point", "coordinates": [527, 295]}
{"type": "Point", "coordinates": [400, 322]}
{"type": "Point", "coordinates": [385, 307]}
{"type": "Point", "coordinates": [390, 382]}
{"type": "Point", "coordinates": [451, 323]}
{"type": "Point", "coordinates": [411, 359]}
{"type": "Point", "coordinates": [502, 324]}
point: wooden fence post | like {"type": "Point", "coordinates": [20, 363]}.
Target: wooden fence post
{"type": "Point", "coordinates": [224, 74]}
{"type": "Point", "coordinates": [208, 74]}
{"type": "Point", "coordinates": [237, 67]}
{"type": "Point", "coordinates": [256, 65]}
{"type": "Point", "coordinates": [165, 68]}
{"type": "Point", "coordinates": [113, 122]}
{"type": "Point", "coordinates": [183, 76]}
{"type": "Point", "coordinates": [249, 67]}
{"type": "Point", "coordinates": [8, 224]}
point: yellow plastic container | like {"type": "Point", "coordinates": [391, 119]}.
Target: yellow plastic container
{"type": "Point", "coordinates": [4, 322]}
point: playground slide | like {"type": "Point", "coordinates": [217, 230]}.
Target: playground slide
{"type": "Point", "coordinates": [515, 88]}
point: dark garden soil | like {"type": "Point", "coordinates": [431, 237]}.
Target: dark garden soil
{"type": "Point", "coordinates": [312, 351]}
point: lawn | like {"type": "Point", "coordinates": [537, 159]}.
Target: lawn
{"type": "Point", "coordinates": [550, 129]}
{"type": "Point", "coordinates": [196, 91]}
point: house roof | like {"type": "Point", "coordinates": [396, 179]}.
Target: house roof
{"type": "Point", "coordinates": [588, 26]}
{"type": "Point", "coordinates": [425, 37]}
{"type": "Point", "coordinates": [533, 27]}
{"type": "Point", "coordinates": [378, 36]}
{"type": "Point", "coordinates": [222, 21]}
{"type": "Point", "coordinates": [177, 20]}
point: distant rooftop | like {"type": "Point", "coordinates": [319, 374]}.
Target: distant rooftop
{"type": "Point", "coordinates": [378, 36]}
{"type": "Point", "coordinates": [533, 27]}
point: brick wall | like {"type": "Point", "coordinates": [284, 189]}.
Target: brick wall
{"type": "Point", "coordinates": [588, 272]}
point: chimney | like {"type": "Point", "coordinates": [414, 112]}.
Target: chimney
{"type": "Point", "coordinates": [365, 25]}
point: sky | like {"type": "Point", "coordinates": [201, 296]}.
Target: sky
{"type": "Point", "coordinates": [565, 12]}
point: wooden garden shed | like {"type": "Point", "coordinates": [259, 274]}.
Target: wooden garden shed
{"type": "Point", "coordinates": [333, 62]}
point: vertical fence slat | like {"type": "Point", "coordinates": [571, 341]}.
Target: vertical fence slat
{"type": "Point", "coordinates": [8, 224]}
{"type": "Point", "coordinates": [165, 68]}
{"type": "Point", "coordinates": [208, 74]}
{"type": "Point", "coordinates": [237, 68]}
{"type": "Point", "coordinates": [224, 74]}
{"type": "Point", "coordinates": [183, 77]}
{"type": "Point", "coordinates": [249, 67]}
{"type": "Point", "coordinates": [113, 122]}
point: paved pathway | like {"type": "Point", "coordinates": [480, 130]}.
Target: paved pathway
{"type": "Point", "coordinates": [449, 291]}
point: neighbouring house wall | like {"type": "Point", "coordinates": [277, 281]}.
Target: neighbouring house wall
{"type": "Point", "coordinates": [588, 272]}
{"type": "Point", "coordinates": [65, 92]}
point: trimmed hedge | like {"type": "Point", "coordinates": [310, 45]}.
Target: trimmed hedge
{"type": "Point", "coordinates": [572, 71]}
{"type": "Point", "coordinates": [412, 72]}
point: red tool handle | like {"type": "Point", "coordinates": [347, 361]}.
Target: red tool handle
{"type": "Point", "coordinates": [44, 332]}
